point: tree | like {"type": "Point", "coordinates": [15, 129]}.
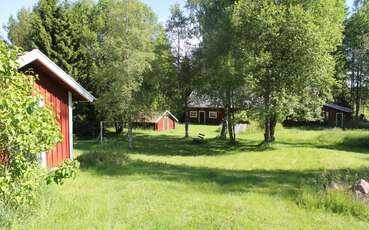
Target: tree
{"type": "Point", "coordinates": [127, 51]}
{"type": "Point", "coordinates": [20, 28]}
{"type": "Point", "coordinates": [180, 31]}
{"type": "Point", "coordinates": [222, 78]}
{"type": "Point", "coordinates": [287, 48]}
{"type": "Point", "coordinates": [157, 87]}
{"type": "Point", "coordinates": [67, 33]}
{"type": "Point", "coordinates": [357, 48]}
{"type": "Point", "coordinates": [52, 32]}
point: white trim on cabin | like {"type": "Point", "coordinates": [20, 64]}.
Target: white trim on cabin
{"type": "Point", "coordinates": [43, 159]}
{"type": "Point", "coordinates": [193, 114]}
{"type": "Point", "coordinates": [166, 113]}
{"type": "Point", "coordinates": [36, 54]}
{"type": "Point", "coordinates": [213, 114]}
{"type": "Point", "coordinates": [70, 120]}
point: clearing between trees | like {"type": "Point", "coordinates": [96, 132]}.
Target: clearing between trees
{"type": "Point", "coordinates": [169, 182]}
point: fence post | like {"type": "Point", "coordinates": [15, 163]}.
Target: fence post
{"type": "Point", "coordinates": [101, 132]}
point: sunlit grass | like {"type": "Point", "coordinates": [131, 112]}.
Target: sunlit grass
{"type": "Point", "coordinates": [168, 182]}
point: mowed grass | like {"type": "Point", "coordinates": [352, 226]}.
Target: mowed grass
{"type": "Point", "coordinates": [168, 182]}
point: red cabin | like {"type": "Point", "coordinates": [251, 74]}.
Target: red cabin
{"type": "Point", "coordinates": [337, 116]}
{"type": "Point", "coordinates": [59, 90]}
{"type": "Point", "coordinates": [156, 121]}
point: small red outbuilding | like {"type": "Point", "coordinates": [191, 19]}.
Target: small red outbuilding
{"type": "Point", "coordinates": [337, 116]}
{"type": "Point", "coordinates": [156, 121]}
{"type": "Point", "coordinates": [58, 90]}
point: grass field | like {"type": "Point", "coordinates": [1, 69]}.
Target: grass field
{"type": "Point", "coordinates": [168, 182]}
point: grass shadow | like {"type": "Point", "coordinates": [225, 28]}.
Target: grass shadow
{"type": "Point", "coordinates": [166, 145]}
{"type": "Point", "coordinates": [357, 144]}
{"type": "Point", "coordinates": [298, 186]}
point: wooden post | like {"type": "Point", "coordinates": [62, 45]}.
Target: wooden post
{"type": "Point", "coordinates": [101, 132]}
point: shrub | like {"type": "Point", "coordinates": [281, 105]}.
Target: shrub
{"type": "Point", "coordinates": [67, 170]}
{"type": "Point", "coordinates": [20, 181]}
{"type": "Point", "coordinates": [103, 157]}
{"type": "Point", "coordinates": [26, 129]}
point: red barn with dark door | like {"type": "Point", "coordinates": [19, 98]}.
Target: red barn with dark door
{"type": "Point", "coordinates": [156, 121]}
{"type": "Point", "coordinates": [58, 90]}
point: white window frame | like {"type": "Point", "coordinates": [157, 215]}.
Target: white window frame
{"type": "Point", "coordinates": [342, 119]}
{"type": "Point", "coordinates": [213, 114]}
{"type": "Point", "coordinates": [193, 114]}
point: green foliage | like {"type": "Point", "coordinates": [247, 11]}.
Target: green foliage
{"type": "Point", "coordinates": [287, 49]}
{"type": "Point", "coordinates": [357, 52]}
{"type": "Point", "coordinates": [25, 127]}
{"type": "Point", "coordinates": [26, 130]}
{"type": "Point", "coordinates": [20, 182]}
{"type": "Point", "coordinates": [67, 170]}
{"type": "Point", "coordinates": [66, 32]}
{"type": "Point", "coordinates": [158, 91]}
{"type": "Point", "coordinates": [20, 28]}
{"type": "Point", "coordinates": [241, 117]}
{"type": "Point", "coordinates": [126, 53]}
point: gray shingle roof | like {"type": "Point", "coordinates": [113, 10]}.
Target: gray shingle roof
{"type": "Point", "coordinates": [339, 108]}
{"type": "Point", "coordinates": [203, 101]}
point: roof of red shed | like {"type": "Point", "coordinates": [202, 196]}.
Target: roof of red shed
{"type": "Point", "coordinates": [339, 108]}
{"type": "Point", "coordinates": [153, 117]}
{"type": "Point", "coordinates": [36, 56]}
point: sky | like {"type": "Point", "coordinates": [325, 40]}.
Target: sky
{"type": "Point", "coordinates": [160, 7]}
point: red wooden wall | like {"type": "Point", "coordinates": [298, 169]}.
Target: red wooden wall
{"type": "Point", "coordinates": [55, 95]}
{"type": "Point", "coordinates": [165, 123]}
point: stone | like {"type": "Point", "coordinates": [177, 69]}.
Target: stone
{"type": "Point", "coordinates": [333, 185]}
{"type": "Point", "coordinates": [361, 186]}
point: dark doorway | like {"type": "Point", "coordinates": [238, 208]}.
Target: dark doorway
{"type": "Point", "coordinates": [339, 120]}
{"type": "Point", "coordinates": [202, 117]}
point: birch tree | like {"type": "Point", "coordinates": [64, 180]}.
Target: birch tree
{"type": "Point", "coordinates": [126, 53]}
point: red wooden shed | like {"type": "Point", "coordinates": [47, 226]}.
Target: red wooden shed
{"type": "Point", "coordinates": [335, 115]}
{"type": "Point", "coordinates": [156, 121]}
{"type": "Point", "coordinates": [59, 90]}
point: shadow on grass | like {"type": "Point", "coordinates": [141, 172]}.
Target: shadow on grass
{"type": "Point", "coordinates": [349, 143]}
{"type": "Point", "coordinates": [282, 182]}
{"type": "Point", "coordinates": [165, 145]}
{"type": "Point", "coordinates": [299, 186]}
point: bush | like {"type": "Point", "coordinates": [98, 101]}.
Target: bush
{"type": "Point", "coordinates": [20, 181]}
{"type": "Point", "coordinates": [103, 157]}
{"type": "Point", "coordinates": [67, 170]}
{"type": "Point", "coordinates": [26, 129]}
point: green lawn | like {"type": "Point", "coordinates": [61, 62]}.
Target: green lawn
{"type": "Point", "coordinates": [170, 183]}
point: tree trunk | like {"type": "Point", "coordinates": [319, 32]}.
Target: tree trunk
{"type": "Point", "coordinates": [186, 120]}
{"type": "Point", "coordinates": [358, 97]}
{"type": "Point", "coordinates": [118, 127]}
{"type": "Point", "coordinates": [223, 132]}
{"type": "Point", "coordinates": [130, 136]}
{"type": "Point", "coordinates": [270, 124]}
{"type": "Point", "coordinates": [232, 137]}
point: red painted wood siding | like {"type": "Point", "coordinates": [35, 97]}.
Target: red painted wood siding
{"type": "Point", "coordinates": [56, 96]}
{"type": "Point", "coordinates": [165, 123]}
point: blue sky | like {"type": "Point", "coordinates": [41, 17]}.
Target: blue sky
{"type": "Point", "coordinates": [161, 7]}
{"type": "Point", "coordinates": [10, 7]}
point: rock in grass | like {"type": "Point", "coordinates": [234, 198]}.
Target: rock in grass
{"type": "Point", "coordinates": [333, 185]}
{"type": "Point", "coordinates": [361, 186]}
